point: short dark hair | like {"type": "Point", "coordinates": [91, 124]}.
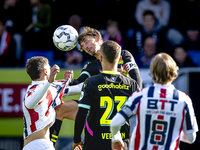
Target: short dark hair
{"type": "Point", "coordinates": [110, 50]}
{"type": "Point", "coordinates": [35, 66]}
{"type": "Point", "coordinates": [88, 32]}
{"type": "Point", "coordinates": [148, 12]}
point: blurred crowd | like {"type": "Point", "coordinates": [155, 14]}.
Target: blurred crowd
{"type": "Point", "coordinates": [144, 27]}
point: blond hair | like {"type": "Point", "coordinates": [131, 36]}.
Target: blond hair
{"type": "Point", "coordinates": [163, 68]}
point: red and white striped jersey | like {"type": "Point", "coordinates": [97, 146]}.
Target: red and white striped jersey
{"type": "Point", "coordinates": [43, 113]}
{"type": "Point", "coordinates": [162, 112]}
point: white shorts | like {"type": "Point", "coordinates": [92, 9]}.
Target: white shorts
{"type": "Point", "coordinates": [39, 144]}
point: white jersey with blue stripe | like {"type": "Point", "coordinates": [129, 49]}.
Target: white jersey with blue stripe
{"type": "Point", "coordinates": [162, 112]}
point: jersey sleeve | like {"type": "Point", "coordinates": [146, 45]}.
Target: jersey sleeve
{"type": "Point", "coordinates": [35, 94]}
{"type": "Point", "coordinates": [130, 107]}
{"type": "Point", "coordinates": [131, 67]}
{"type": "Point", "coordinates": [86, 95]}
{"type": "Point", "coordinates": [73, 90]}
{"type": "Point", "coordinates": [190, 122]}
{"type": "Point", "coordinates": [84, 106]}
{"type": "Point", "coordinates": [79, 124]}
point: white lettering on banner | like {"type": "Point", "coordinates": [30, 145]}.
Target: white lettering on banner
{"type": "Point", "coordinates": [6, 99]}
{"type": "Point", "coordinates": [11, 99]}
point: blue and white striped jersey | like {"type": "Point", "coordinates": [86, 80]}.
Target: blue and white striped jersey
{"type": "Point", "coordinates": [162, 112]}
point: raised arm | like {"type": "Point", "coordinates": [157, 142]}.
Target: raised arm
{"type": "Point", "coordinates": [131, 67]}
{"type": "Point", "coordinates": [33, 99]}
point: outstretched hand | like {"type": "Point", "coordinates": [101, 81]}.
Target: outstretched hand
{"type": "Point", "coordinates": [54, 71]}
{"type": "Point", "coordinates": [68, 74]}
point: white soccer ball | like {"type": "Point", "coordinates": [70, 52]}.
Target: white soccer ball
{"type": "Point", "coordinates": [65, 37]}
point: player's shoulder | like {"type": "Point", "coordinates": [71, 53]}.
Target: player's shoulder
{"type": "Point", "coordinates": [183, 96]}
{"type": "Point", "coordinates": [143, 92]}
{"type": "Point", "coordinates": [128, 79]}
{"type": "Point", "coordinates": [34, 86]}
{"type": "Point", "coordinates": [92, 63]}
{"type": "Point", "coordinates": [92, 81]}
{"type": "Point", "coordinates": [94, 78]}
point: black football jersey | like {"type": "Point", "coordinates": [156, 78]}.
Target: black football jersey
{"type": "Point", "coordinates": [94, 67]}
{"type": "Point", "coordinates": [104, 95]}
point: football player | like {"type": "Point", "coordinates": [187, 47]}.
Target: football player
{"type": "Point", "coordinates": [164, 114]}
{"type": "Point", "coordinates": [43, 96]}
{"type": "Point", "coordinates": [101, 98]}
{"type": "Point", "coordinates": [90, 41]}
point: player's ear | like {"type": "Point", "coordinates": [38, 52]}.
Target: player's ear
{"type": "Point", "coordinates": [101, 58]}
{"type": "Point", "coordinates": [120, 58]}
{"type": "Point", "coordinates": [97, 37]}
{"type": "Point", "coordinates": [45, 71]}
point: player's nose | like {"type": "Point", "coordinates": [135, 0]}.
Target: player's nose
{"type": "Point", "coordinates": [85, 47]}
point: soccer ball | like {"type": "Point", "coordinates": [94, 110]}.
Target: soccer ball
{"type": "Point", "coordinates": [65, 37]}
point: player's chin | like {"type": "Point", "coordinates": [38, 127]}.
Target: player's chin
{"type": "Point", "coordinates": [93, 53]}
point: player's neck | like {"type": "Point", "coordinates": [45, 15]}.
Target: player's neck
{"type": "Point", "coordinates": [106, 67]}
{"type": "Point", "coordinates": [97, 55]}
{"type": "Point", "coordinates": [42, 78]}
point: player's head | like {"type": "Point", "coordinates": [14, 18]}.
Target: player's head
{"type": "Point", "coordinates": [90, 40]}
{"type": "Point", "coordinates": [110, 52]}
{"type": "Point", "coordinates": [37, 65]}
{"type": "Point", "coordinates": [163, 68]}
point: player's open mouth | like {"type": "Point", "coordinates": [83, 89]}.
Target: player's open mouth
{"type": "Point", "coordinates": [90, 49]}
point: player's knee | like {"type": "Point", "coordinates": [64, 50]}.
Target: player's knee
{"type": "Point", "coordinates": [59, 114]}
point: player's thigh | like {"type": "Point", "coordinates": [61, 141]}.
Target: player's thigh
{"type": "Point", "coordinates": [67, 110]}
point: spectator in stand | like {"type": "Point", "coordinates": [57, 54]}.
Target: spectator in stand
{"type": "Point", "coordinates": [76, 21]}
{"type": "Point", "coordinates": [7, 47]}
{"type": "Point", "coordinates": [74, 60]}
{"type": "Point", "coordinates": [181, 57]}
{"type": "Point", "coordinates": [149, 49]}
{"type": "Point", "coordinates": [150, 27]}
{"type": "Point", "coordinates": [112, 32]}
{"type": "Point", "coordinates": [118, 10]}
{"type": "Point", "coordinates": [161, 9]}
{"type": "Point", "coordinates": [192, 38]}
{"type": "Point", "coordinates": [165, 37]}
{"type": "Point", "coordinates": [184, 13]}
{"type": "Point", "coordinates": [37, 33]}
{"type": "Point", "coordinates": [15, 15]}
